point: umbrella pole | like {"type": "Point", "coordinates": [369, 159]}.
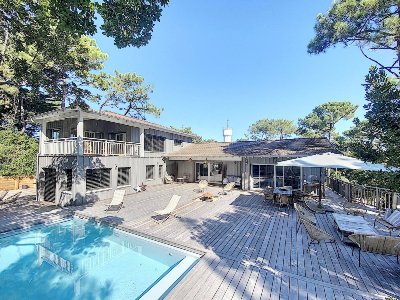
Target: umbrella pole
{"type": "Point", "coordinates": [320, 189]}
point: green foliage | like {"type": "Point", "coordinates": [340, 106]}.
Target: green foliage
{"type": "Point", "coordinates": [323, 118]}
{"type": "Point", "coordinates": [268, 129]}
{"type": "Point", "coordinates": [47, 60]}
{"type": "Point", "coordinates": [130, 22]}
{"type": "Point", "coordinates": [197, 138]}
{"type": "Point", "coordinates": [127, 93]}
{"type": "Point", "coordinates": [376, 139]}
{"type": "Point", "coordinates": [17, 154]}
{"type": "Point", "coordinates": [369, 24]}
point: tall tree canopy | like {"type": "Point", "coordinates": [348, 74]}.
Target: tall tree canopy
{"type": "Point", "coordinates": [268, 129]}
{"type": "Point", "coordinates": [127, 93]}
{"type": "Point", "coordinates": [323, 118]}
{"type": "Point", "coordinates": [197, 139]}
{"type": "Point", "coordinates": [47, 60]}
{"type": "Point", "coordinates": [376, 138]}
{"type": "Point", "coordinates": [369, 24]}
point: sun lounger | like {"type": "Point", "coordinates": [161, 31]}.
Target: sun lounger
{"type": "Point", "coordinates": [390, 220]}
{"type": "Point", "coordinates": [11, 197]}
{"type": "Point", "coordinates": [305, 213]}
{"type": "Point", "coordinates": [168, 179]}
{"type": "Point", "coordinates": [169, 209]}
{"type": "Point", "coordinates": [2, 195]}
{"type": "Point", "coordinates": [381, 244]}
{"type": "Point", "coordinates": [117, 200]}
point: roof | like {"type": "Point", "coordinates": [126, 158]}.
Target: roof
{"type": "Point", "coordinates": [71, 112]}
{"type": "Point", "coordinates": [279, 148]}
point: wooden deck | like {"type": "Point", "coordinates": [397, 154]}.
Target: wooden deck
{"type": "Point", "coordinates": [252, 249]}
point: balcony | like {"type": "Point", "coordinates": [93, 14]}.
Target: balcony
{"type": "Point", "coordinates": [95, 147]}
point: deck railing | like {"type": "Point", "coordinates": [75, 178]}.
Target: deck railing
{"type": "Point", "coordinates": [91, 147]}
{"type": "Point", "coordinates": [380, 198]}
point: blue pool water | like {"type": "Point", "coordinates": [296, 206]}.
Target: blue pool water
{"type": "Point", "coordinates": [79, 259]}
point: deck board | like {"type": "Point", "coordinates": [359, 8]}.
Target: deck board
{"type": "Point", "coordinates": [252, 248]}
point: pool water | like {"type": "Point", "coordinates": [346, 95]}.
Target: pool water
{"type": "Point", "coordinates": [80, 259]}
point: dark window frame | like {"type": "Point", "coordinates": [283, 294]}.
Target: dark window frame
{"type": "Point", "coordinates": [124, 178]}
{"type": "Point", "coordinates": [97, 179]}
{"type": "Point", "coordinates": [150, 172]}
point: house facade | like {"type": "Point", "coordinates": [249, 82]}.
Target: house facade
{"type": "Point", "coordinates": [251, 164]}
{"type": "Point", "coordinates": [85, 155]}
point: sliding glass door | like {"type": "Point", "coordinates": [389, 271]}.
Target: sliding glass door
{"type": "Point", "coordinates": [263, 176]}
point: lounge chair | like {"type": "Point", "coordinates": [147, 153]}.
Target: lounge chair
{"type": "Point", "coordinates": [203, 184]}
{"type": "Point", "coordinates": [391, 220]}
{"type": "Point", "coordinates": [169, 210]}
{"type": "Point", "coordinates": [117, 200]}
{"type": "Point", "coordinates": [11, 197]}
{"type": "Point", "coordinates": [227, 188]}
{"type": "Point", "coordinates": [305, 214]}
{"type": "Point", "coordinates": [381, 244]}
{"type": "Point", "coordinates": [314, 207]}
{"type": "Point", "coordinates": [168, 179]}
{"type": "Point", "coordinates": [317, 235]}
{"type": "Point", "coordinates": [2, 195]}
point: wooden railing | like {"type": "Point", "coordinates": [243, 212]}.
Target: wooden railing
{"type": "Point", "coordinates": [91, 147]}
{"type": "Point", "coordinates": [380, 198]}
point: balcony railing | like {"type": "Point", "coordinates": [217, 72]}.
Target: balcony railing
{"type": "Point", "coordinates": [91, 147]}
{"type": "Point", "coordinates": [380, 198]}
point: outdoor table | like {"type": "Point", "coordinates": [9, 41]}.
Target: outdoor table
{"type": "Point", "coordinates": [278, 191]}
{"type": "Point", "coordinates": [348, 224]}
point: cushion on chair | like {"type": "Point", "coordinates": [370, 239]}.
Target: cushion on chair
{"type": "Point", "coordinates": [394, 218]}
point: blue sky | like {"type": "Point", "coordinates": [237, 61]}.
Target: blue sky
{"type": "Point", "coordinates": [241, 60]}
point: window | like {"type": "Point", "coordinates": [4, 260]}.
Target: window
{"type": "Point", "coordinates": [263, 176]}
{"type": "Point", "coordinates": [97, 179]}
{"type": "Point", "coordinates": [54, 133]}
{"type": "Point", "coordinates": [153, 143]}
{"type": "Point", "coordinates": [68, 173]}
{"type": "Point", "coordinates": [160, 171]}
{"type": "Point", "coordinates": [150, 172]}
{"type": "Point", "coordinates": [178, 142]}
{"type": "Point", "coordinates": [124, 175]}
{"type": "Point", "coordinates": [216, 168]}
{"type": "Point", "coordinates": [120, 136]}
{"type": "Point", "coordinates": [94, 135]}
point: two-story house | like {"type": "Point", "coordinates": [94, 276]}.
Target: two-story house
{"type": "Point", "coordinates": [85, 155]}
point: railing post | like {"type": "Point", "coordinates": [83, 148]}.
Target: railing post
{"type": "Point", "coordinates": [106, 148]}
{"type": "Point", "coordinates": [394, 200]}
{"type": "Point", "coordinates": [125, 148]}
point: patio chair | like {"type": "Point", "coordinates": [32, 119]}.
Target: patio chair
{"type": "Point", "coordinates": [203, 184]}
{"type": "Point", "coordinates": [11, 197]}
{"type": "Point", "coordinates": [305, 214]}
{"type": "Point", "coordinates": [227, 188]}
{"type": "Point", "coordinates": [317, 235]}
{"type": "Point", "coordinates": [168, 211]}
{"type": "Point", "coordinates": [117, 200]}
{"type": "Point", "coordinates": [269, 194]}
{"type": "Point", "coordinates": [283, 201]}
{"type": "Point", "coordinates": [391, 220]}
{"type": "Point", "coordinates": [381, 244]}
{"type": "Point", "coordinates": [168, 179]}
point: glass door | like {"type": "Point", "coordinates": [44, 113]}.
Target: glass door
{"type": "Point", "coordinates": [201, 171]}
{"type": "Point", "coordinates": [263, 176]}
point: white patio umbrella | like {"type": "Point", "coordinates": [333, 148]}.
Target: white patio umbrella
{"type": "Point", "coordinates": [332, 161]}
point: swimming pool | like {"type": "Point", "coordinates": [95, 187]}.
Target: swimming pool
{"type": "Point", "coordinates": [81, 259]}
